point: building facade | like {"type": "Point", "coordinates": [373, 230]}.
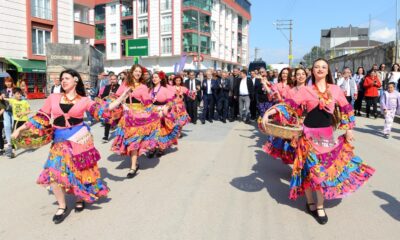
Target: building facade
{"type": "Point", "coordinates": [28, 25]}
{"type": "Point", "coordinates": [177, 31]}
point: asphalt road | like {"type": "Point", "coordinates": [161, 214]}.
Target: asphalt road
{"type": "Point", "coordinates": [217, 184]}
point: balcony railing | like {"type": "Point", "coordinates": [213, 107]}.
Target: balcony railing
{"type": "Point", "coordinates": [194, 48]}
{"type": "Point", "coordinates": [194, 26]}
{"type": "Point", "coordinates": [99, 17]}
{"type": "Point", "coordinates": [127, 13]}
{"type": "Point", "coordinates": [44, 13]}
{"type": "Point", "coordinates": [127, 32]}
{"type": "Point", "coordinates": [202, 4]}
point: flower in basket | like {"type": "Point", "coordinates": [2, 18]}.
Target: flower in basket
{"type": "Point", "coordinates": [28, 141]}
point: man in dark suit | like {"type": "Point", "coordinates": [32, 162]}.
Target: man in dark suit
{"type": "Point", "coordinates": [56, 88]}
{"type": "Point", "coordinates": [244, 92]}
{"type": "Point", "coordinates": [234, 103]}
{"type": "Point", "coordinates": [208, 87]}
{"type": "Point", "coordinates": [106, 91]}
{"type": "Point", "coordinates": [192, 104]}
{"type": "Point", "coordinates": [222, 93]}
{"type": "Point", "coordinates": [253, 102]}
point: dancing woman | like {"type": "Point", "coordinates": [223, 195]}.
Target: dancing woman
{"type": "Point", "coordinates": [182, 116]}
{"type": "Point", "coordinates": [134, 133]}
{"type": "Point", "coordinates": [284, 84]}
{"type": "Point", "coordinates": [282, 148]}
{"type": "Point", "coordinates": [71, 166]}
{"type": "Point", "coordinates": [162, 99]}
{"type": "Point", "coordinates": [323, 164]}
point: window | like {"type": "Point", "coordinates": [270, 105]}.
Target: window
{"type": "Point", "coordinates": [41, 9]}
{"type": "Point", "coordinates": [113, 9]}
{"type": "Point", "coordinates": [213, 25]}
{"type": "Point", "coordinates": [113, 47]}
{"type": "Point", "coordinates": [166, 24]}
{"type": "Point", "coordinates": [142, 6]}
{"type": "Point", "coordinates": [166, 45]}
{"type": "Point", "coordinates": [113, 28]}
{"type": "Point", "coordinates": [143, 28]}
{"type": "Point", "coordinates": [166, 5]}
{"type": "Point", "coordinates": [213, 46]}
{"type": "Point", "coordinates": [39, 40]}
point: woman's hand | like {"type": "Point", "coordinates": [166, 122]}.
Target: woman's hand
{"type": "Point", "coordinates": [15, 134]}
{"type": "Point", "coordinates": [349, 136]}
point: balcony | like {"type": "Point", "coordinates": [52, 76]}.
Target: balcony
{"type": "Point", "coordinates": [100, 12]}
{"type": "Point", "coordinates": [194, 26]}
{"type": "Point", "coordinates": [84, 30]}
{"type": "Point", "coordinates": [127, 28]}
{"type": "Point", "coordinates": [100, 31]}
{"type": "Point", "coordinates": [127, 10]}
{"type": "Point", "coordinates": [205, 5]}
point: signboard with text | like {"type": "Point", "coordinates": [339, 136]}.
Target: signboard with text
{"type": "Point", "coordinates": [137, 47]}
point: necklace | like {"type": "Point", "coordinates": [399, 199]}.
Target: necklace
{"type": "Point", "coordinates": [325, 98]}
{"type": "Point", "coordinates": [154, 94]}
{"type": "Point", "coordinates": [135, 85]}
{"type": "Point", "coordinates": [70, 101]}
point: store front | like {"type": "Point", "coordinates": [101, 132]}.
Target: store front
{"type": "Point", "coordinates": [33, 72]}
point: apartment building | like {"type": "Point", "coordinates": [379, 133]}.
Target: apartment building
{"type": "Point", "coordinates": [28, 25]}
{"type": "Point", "coordinates": [177, 31]}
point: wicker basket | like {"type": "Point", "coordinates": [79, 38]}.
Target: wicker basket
{"type": "Point", "coordinates": [33, 138]}
{"type": "Point", "coordinates": [284, 132]}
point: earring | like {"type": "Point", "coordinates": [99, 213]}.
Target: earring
{"type": "Point", "coordinates": [76, 79]}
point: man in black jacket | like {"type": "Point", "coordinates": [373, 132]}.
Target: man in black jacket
{"type": "Point", "coordinates": [209, 86]}
{"type": "Point", "coordinates": [222, 93]}
{"type": "Point", "coordinates": [192, 104]}
{"type": "Point", "coordinates": [244, 92]}
{"type": "Point", "coordinates": [106, 91]}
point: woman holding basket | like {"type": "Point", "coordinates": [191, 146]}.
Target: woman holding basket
{"type": "Point", "coordinates": [322, 164]}
{"type": "Point", "coordinates": [71, 166]}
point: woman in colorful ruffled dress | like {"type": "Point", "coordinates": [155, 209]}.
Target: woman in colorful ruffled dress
{"type": "Point", "coordinates": [135, 130]}
{"type": "Point", "coordinates": [182, 116]}
{"type": "Point", "coordinates": [323, 164]}
{"type": "Point", "coordinates": [282, 148]}
{"type": "Point", "coordinates": [162, 100]}
{"type": "Point", "coordinates": [72, 163]}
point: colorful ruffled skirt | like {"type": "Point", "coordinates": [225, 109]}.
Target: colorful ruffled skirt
{"type": "Point", "coordinates": [280, 149]}
{"type": "Point", "coordinates": [327, 165]}
{"type": "Point", "coordinates": [72, 164]}
{"type": "Point", "coordinates": [168, 129]}
{"type": "Point", "coordinates": [136, 131]}
{"type": "Point", "coordinates": [182, 117]}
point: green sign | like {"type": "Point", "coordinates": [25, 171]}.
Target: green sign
{"type": "Point", "coordinates": [137, 47]}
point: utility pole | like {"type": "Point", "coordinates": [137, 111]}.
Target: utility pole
{"type": "Point", "coordinates": [369, 28]}
{"type": "Point", "coordinates": [256, 53]}
{"type": "Point", "coordinates": [286, 25]}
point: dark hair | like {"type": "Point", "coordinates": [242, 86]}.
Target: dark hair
{"type": "Point", "coordinates": [394, 84]}
{"type": "Point", "coordinates": [370, 71]}
{"type": "Point", "coordinates": [129, 80]}
{"type": "Point", "coordinates": [398, 66]}
{"type": "Point", "coordinates": [17, 90]}
{"type": "Point", "coordinates": [243, 71]}
{"type": "Point", "coordinates": [80, 88]}
{"type": "Point", "coordinates": [295, 72]}
{"type": "Point", "coordinates": [176, 77]}
{"type": "Point", "coordinates": [380, 66]}
{"type": "Point", "coordinates": [328, 78]}
{"type": "Point", "coordinates": [363, 70]}
{"type": "Point", "coordinates": [289, 79]}
{"type": "Point", "coordinates": [162, 82]}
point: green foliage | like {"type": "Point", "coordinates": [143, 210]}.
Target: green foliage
{"type": "Point", "coordinates": [315, 53]}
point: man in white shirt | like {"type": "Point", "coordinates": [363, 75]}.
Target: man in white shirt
{"type": "Point", "coordinates": [348, 85]}
{"type": "Point", "coordinates": [56, 88]}
{"type": "Point", "coordinates": [244, 92]}
{"type": "Point", "coordinates": [209, 86]}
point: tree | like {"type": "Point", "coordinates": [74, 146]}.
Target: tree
{"type": "Point", "coordinates": [315, 53]}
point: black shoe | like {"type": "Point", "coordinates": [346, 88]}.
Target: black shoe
{"type": "Point", "coordinates": [2, 152]}
{"type": "Point", "coordinates": [376, 116]}
{"type": "Point", "coordinates": [59, 218]}
{"type": "Point", "coordinates": [367, 116]}
{"type": "Point", "coordinates": [223, 120]}
{"type": "Point", "coordinates": [358, 114]}
{"type": "Point", "coordinates": [203, 122]}
{"type": "Point", "coordinates": [105, 139]}
{"type": "Point", "coordinates": [387, 136]}
{"type": "Point", "coordinates": [132, 172]}
{"type": "Point", "coordinates": [160, 153]}
{"type": "Point", "coordinates": [231, 120]}
{"type": "Point", "coordinates": [210, 120]}
{"type": "Point", "coordinates": [309, 211]}
{"type": "Point", "coordinates": [151, 154]}
{"type": "Point", "coordinates": [321, 219]}
{"type": "Point", "coordinates": [79, 206]}
{"type": "Point", "coordinates": [247, 121]}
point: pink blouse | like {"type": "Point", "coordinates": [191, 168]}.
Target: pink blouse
{"type": "Point", "coordinates": [308, 96]}
{"type": "Point", "coordinates": [140, 93]}
{"type": "Point", "coordinates": [161, 94]}
{"type": "Point", "coordinates": [52, 108]}
{"type": "Point", "coordinates": [281, 89]}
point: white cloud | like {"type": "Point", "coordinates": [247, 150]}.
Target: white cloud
{"type": "Point", "coordinates": [384, 34]}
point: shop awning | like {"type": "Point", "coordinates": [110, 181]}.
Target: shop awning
{"type": "Point", "coordinates": [28, 66]}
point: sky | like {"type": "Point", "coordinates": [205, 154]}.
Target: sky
{"type": "Point", "coordinates": [309, 17]}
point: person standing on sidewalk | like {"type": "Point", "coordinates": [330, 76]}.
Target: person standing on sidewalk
{"type": "Point", "coordinates": [390, 106]}
{"type": "Point", "coordinates": [244, 93]}
{"type": "Point", "coordinates": [223, 89]}
{"type": "Point", "coordinates": [8, 116]}
{"type": "Point", "coordinates": [359, 79]}
{"type": "Point", "coordinates": [394, 75]}
{"type": "Point", "coordinates": [192, 104]}
{"type": "Point", "coordinates": [371, 85]}
{"type": "Point", "coordinates": [348, 85]}
{"type": "Point", "coordinates": [209, 86]}
{"type": "Point", "coordinates": [108, 91]}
